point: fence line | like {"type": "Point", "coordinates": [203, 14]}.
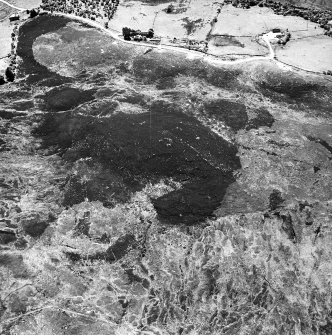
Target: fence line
{"type": "Point", "coordinates": [301, 69]}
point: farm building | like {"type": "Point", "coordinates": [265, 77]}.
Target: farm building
{"type": "Point", "coordinates": [14, 17]}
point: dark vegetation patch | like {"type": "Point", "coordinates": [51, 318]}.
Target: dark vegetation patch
{"type": "Point", "coordinates": [28, 32]}
{"type": "Point", "coordinates": [287, 226]}
{"type": "Point", "coordinates": [262, 118]}
{"type": "Point", "coordinates": [9, 96]}
{"type": "Point", "coordinates": [64, 98]}
{"type": "Point", "coordinates": [166, 83]}
{"type": "Point", "coordinates": [132, 277]}
{"type": "Point", "coordinates": [198, 199]}
{"type": "Point", "coordinates": [4, 146]}
{"type": "Point", "coordinates": [233, 114]}
{"type": "Point", "coordinates": [104, 186]}
{"type": "Point", "coordinates": [72, 34]}
{"type": "Point", "coordinates": [321, 142]}
{"type": "Point", "coordinates": [191, 25]}
{"type": "Point", "coordinates": [120, 248]}
{"type": "Point", "coordinates": [222, 41]}
{"type": "Point", "coordinates": [220, 77]}
{"type": "Point", "coordinates": [36, 229]}
{"type": "Point", "coordinates": [163, 142]}
{"type": "Point", "coordinates": [14, 263]}
{"type": "Point", "coordinates": [34, 223]}
{"type": "Point", "coordinates": [155, 2]}
{"type": "Point", "coordinates": [293, 89]}
{"type": "Point", "coordinates": [22, 105]}
{"type": "Point", "coordinates": [105, 92]}
{"type": "Point", "coordinates": [151, 69]}
{"type": "Point", "coordinates": [10, 114]}
{"type": "Point", "coordinates": [275, 200]}
{"type": "Point", "coordinates": [136, 149]}
{"type": "Point", "coordinates": [327, 328]}
{"type": "Point", "coordinates": [288, 85]}
{"type": "Point", "coordinates": [7, 236]}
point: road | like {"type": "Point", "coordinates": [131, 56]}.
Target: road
{"type": "Point", "coordinates": [191, 53]}
{"type": "Point", "coordinates": [10, 5]}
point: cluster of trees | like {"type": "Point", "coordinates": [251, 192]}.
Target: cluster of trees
{"type": "Point", "coordinates": [91, 9]}
{"type": "Point", "coordinates": [128, 33]}
{"type": "Point", "coordinates": [33, 13]}
{"type": "Point", "coordinates": [170, 9]}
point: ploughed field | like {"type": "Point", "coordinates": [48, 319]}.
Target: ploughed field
{"type": "Point", "coordinates": [146, 192]}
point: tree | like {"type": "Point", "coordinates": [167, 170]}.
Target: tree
{"type": "Point", "coordinates": [33, 13]}
{"type": "Point", "coordinates": [2, 80]}
{"type": "Point", "coordinates": [170, 9]}
{"type": "Point", "coordinates": [126, 33]}
{"type": "Point", "coordinates": [150, 33]}
{"type": "Point", "coordinates": [10, 75]}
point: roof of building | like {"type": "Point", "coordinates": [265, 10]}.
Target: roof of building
{"type": "Point", "coordinates": [14, 17]}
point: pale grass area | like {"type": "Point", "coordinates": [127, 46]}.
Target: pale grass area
{"type": "Point", "coordinates": [5, 37]}
{"type": "Point", "coordinates": [250, 47]}
{"type": "Point", "coordinates": [6, 28]}
{"type": "Point", "coordinates": [25, 3]}
{"type": "Point", "coordinates": [257, 20]}
{"type": "Point", "coordinates": [3, 65]}
{"type": "Point", "coordinates": [5, 33]}
{"type": "Point", "coordinates": [313, 53]}
{"type": "Point", "coordinates": [138, 15]}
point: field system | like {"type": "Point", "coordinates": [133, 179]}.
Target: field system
{"type": "Point", "coordinates": [218, 29]}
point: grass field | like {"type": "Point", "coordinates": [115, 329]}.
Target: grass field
{"type": "Point", "coordinates": [257, 20]}
{"type": "Point", "coordinates": [5, 32]}
{"type": "Point", "coordinates": [25, 3]}
{"type": "Point", "coordinates": [235, 32]}
{"type": "Point", "coordinates": [196, 14]}
{"type": "Point", "coordinates": [313, 53]}
{"type": "Point", "coordinates": [223, 45]}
